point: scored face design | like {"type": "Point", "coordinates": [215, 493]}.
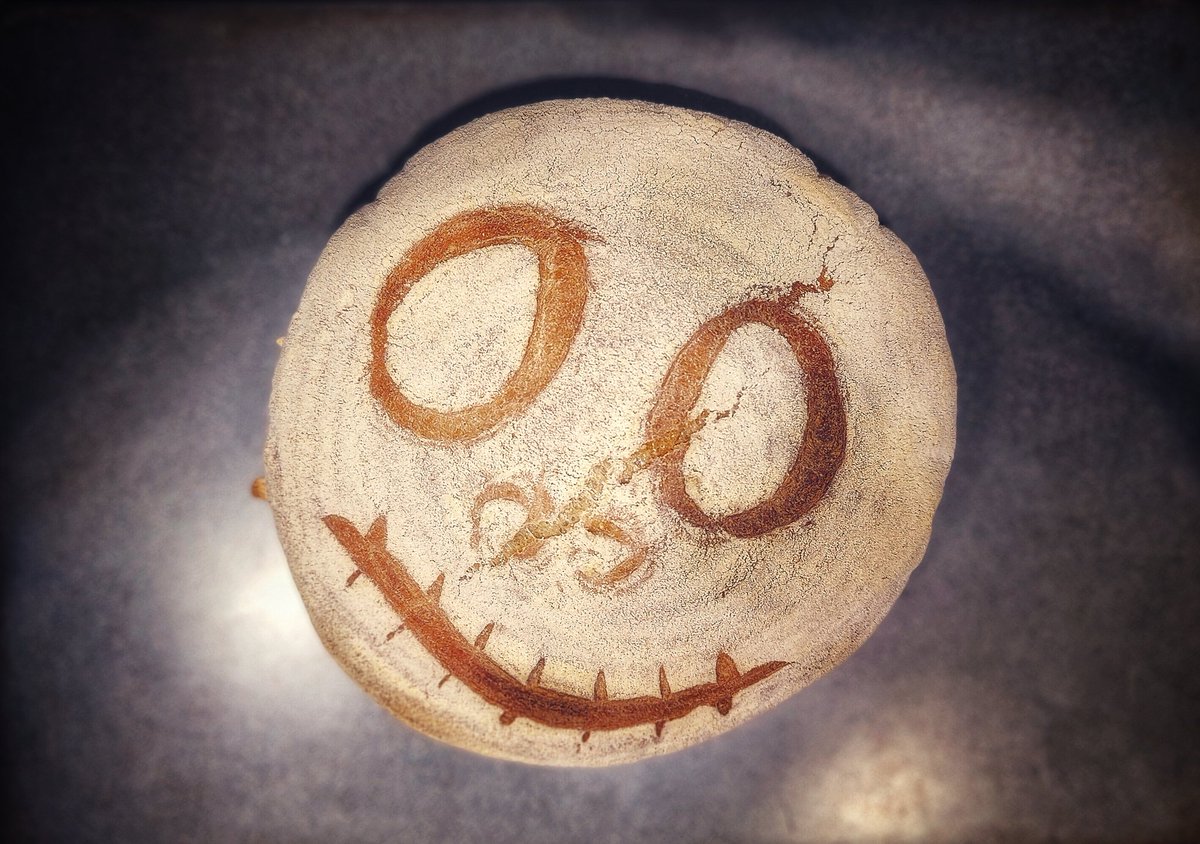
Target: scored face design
{"type": "Point", "coordinates": [561, 296]}
{"type": "Point", "coordinates": [698, 486]}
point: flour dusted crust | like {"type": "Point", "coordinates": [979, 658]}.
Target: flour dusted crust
{"type": "Point", "coordinates": [606, 427]}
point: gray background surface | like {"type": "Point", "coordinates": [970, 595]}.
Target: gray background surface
{"type": "Point", "coordinates": [172, 177]}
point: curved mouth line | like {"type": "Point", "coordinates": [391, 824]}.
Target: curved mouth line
{"type": "Point", "coordinates": [421, 612]}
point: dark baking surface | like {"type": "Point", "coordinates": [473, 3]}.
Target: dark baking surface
{"type": "Point", "coordinates": [171, 178]}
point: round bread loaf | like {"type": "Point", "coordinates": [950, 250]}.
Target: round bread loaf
{"type": "Point", "coordinates": [606, 427]}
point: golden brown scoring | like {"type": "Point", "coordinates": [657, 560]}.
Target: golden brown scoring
{"type": "Point", "coordinates": [422, 614]}
{"type": "Point", "coordinates": [822, 448]}
{"type": "Point", "coordinates": [561, 295]}
{"type": "Point", "coordinates": [536, 503]}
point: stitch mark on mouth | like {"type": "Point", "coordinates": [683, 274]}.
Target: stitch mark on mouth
{"type": "Point", "coordinates": [422, 614]}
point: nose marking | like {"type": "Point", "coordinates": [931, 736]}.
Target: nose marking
{"type": "Point", "coordinates": [539, 525]}
{"type": "Point", "coordinates": [537, 505]}
{"type": "Point", "coordinates": [622, 571]}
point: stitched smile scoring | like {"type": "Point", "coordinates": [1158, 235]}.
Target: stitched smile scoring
{"type": "Point", "coordinates": [421, 612]}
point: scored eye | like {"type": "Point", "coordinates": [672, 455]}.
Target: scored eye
{"type": "Point", "coordinates": [755, 395]}
{"type": "Point", "coordinates": [557, 246]}
{"type": "Point", "coordinates": [822, 446]}
{"type": "Point", "coordinates": [459, 335]}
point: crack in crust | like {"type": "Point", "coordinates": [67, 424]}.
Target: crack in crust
{"type": "Point", "coordinates": [422, 614]}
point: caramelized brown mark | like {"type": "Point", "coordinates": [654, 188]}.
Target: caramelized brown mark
{"type": "Point", "coordinates": [824, 280]}
{"type": "Point", "coordinates": [660, 445]}
{"type": "Point", "coordinates": [258, 488]}
{"type": "Point", "coordinates": [535, 676]}
{"type": "Point", "coordinates": [435, 590]}
{"type": "Point", "coordinates": [822, 448]}
{"type": "Point", "coordinates": [561, 294]}
{"type": "Point", "coordinates": [541, 525]}
{"type": "Point", "coordinates": [537, 506]}
{"type": "Point", "coordinates": [823, 284]}
{"type": "Point", "coordinates": [470, 665]}
{"type": "Point", "coordinates": [529, 538]}
{"type": "Point", "coordinates": [600, 526]}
